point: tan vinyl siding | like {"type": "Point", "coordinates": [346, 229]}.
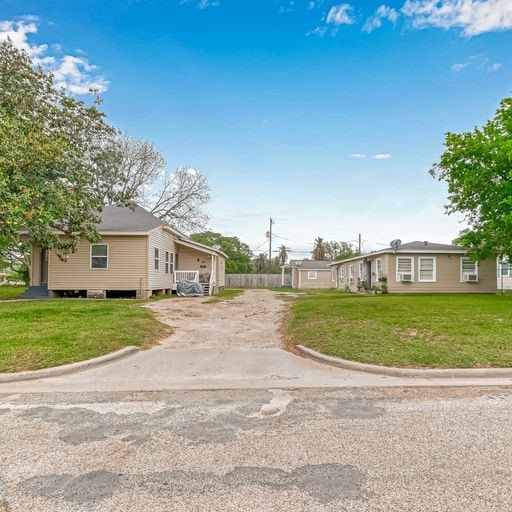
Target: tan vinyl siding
{"type": "Point", "coordinates": [190, 259]}
{"type": "Point", "coordinates": [127, 266]}
{"type": "Point", "coordinates": [221, 272]}
{"type": "Point", "coordinates": [164, 241]}
{"type": "Point", "coordinates": [448, 276]}
{"type": "Point", "coordinates": [323, 279]}
{"type": "Point", "coordinates": [35, 275]}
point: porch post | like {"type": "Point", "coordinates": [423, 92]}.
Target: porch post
{"type": "Point", "coordinates": [282, 276]}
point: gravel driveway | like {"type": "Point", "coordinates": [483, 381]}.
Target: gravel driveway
{"type": "Point", "coordinates": [250, 320]}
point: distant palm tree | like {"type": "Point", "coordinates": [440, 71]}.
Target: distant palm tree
{"type": "Point", "coordinates": [260, 262]}
{"type": "Point", "coordinates": [318, 249]}
{"type": "Point", "coordinates": [282, 255]}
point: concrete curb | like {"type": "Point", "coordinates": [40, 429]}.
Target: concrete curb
{"type": "Point", "coordinates": [67, 368]}
{"type": "Point", "coordinates": [405, 372]}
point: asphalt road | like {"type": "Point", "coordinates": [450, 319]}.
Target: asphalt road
{"type": "Point", "coordinates": [393, 449]}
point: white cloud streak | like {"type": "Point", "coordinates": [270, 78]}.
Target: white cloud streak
{"type": "Point", "coordinates": [358, 155]}
{"type": "Point", "coordinates": [340, 15]}
{"type": "Point", "coordinates": [382, 156]}
{"type": "Point", "coordinates": [382, 13]}
{"type": "Point", "coordinates": [472, 16]}
{"type": "Point", "coordinates": [75, 74]}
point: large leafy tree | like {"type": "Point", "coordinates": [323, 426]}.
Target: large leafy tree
{"type": "Point", "coordinates": [477, 166]}
{"type": "Point", "coordinates": [239, 253]}
{"type": "Point", "coordinates": [339, 250]}
{"type": "Point", "coordinates": [52, 149]}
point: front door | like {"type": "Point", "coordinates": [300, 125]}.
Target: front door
{"type": "Point", "coordinates": [44, 267]}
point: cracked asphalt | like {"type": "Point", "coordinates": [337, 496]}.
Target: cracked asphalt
{"type": "Point", "coordinates": [385, 449]}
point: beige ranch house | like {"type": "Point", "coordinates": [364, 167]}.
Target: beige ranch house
{"type": "Point", "coordinates": [138, 255]}
{"type": "Point", "coordinates": [417, 267]}
{"type": "Point", "coordinates": [307, 274]}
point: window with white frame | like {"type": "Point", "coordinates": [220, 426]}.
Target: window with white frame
{"type": "Point", "coordinates": [311, 274]}
{"type": "Point", "coordinates": [157, 258]}
{"type": "Point", "coordinates": [351, 272]}
{"type": "Point", "coordinates": [171, 263]}
{"type": "Point", "coordinates": [361, 269]}
{"type": "Point", "coordinates": [504, 268]}
{"type": "Point", "coordinates": [378, 268]}
{"type": "Point", "coordinates": [333, 274]}
{"type": "Point", "coordinates": [426, 270]}
{"type": "Point", "coordinates": [99, 256]}
{"type": "Point", "coordinates": [342, 273]}
{"type": "Point", "coordinates": [468, 270]}
{"type": "Point", "coordinates": [167, 261]}
{"type": "Point", "coordinates": [404, 269]}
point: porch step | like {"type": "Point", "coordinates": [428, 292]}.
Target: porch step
{"type": "Point", "coordinates": [36, 292]}
{"type": "Point", "coordinates": [206, 288]}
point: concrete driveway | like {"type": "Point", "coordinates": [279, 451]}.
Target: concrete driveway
{"type": "Point", "coordinates": [228, 344]}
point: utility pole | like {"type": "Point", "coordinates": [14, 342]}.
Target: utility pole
{"type": "Point", "coordinates": [270, 243]}
{"type": "Point", "coordinates": [359, 243]}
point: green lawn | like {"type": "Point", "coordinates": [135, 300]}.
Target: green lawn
{"type": "Point", "coordinates": [46, 333]}
{"type": "Point", "coordinates": [11, 292]}
{"type": "Point", "coordinates": [227, 294]}
{"type": "Point", "coordinates": [438, 331]}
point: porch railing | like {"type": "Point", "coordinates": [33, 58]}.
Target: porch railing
{"type": "Point", "coordinates": [186, 275]}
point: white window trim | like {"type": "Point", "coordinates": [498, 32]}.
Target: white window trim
{"type": "Point", "coordinates": [351, 272]}
{"type": "Point", "coordinates": [156, 259]}
{"type": "Point", "coordinates": [342, 273]}
{"type": "Point", "coordinates": [334, 273]}
{"type": "Point", "coordinates": [378, 273]}
{"type": "Point", "coordinates": [90, 257]}
{"type": "Point", "coordinates": [461, 271]}
{"type": "Point", "coordinates": [361, 269]}
{"type": "Point", "coordinates": [411, 258]}
{"type": "Point", "coordinates": [167, 262]}
{"type": "Point", "coordinates": [434, 266]}
{"type": "Point", "coordinates": [311, 273]}
{"type": "Point", "coordinates": [171, 263]}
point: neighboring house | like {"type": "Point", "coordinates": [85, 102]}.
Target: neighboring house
{"type": "Point", "coordinates": [311, 274]}
{"type": "Point", "coordinates": [137, 255]}
{"type": "Point", "coordinates": [417, 267]}
{"type": "Point", "coordinates": [504, 275]}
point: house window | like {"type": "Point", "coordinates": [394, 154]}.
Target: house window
{"type": "Point", "coordinates": [504, 269]}
{"type": "Point", "coordinates": [361, 269]}
{"type": "Point", "coordinates": [167, 258]}
{"type": "Point", "coordinates": [157, 258]}
{"type": "Point", "coordinates": [342, 273]}
{"type": "Point", "coordinates": [468, 270]}
{"type": "Point", "coordinates": [351, 272]}
{"type": "Point", "coordinates": [427, 270]}
{"type": "Point", "coordinates": [333, 274]}
{"type": "Point", "coordinates": [99, 256]}
{"type": "Point", "coordinates": [378, 268]}
{"type": "Point", "coordinates": [404, 270]}
{"type": "Point", "coordinates": [312, 274]}
{"type": "Point", "coordinates": [171, 263]}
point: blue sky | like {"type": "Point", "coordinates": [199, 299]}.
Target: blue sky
{"type": "Point", "coordinates": [324, 115]}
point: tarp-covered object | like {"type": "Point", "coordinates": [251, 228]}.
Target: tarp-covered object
{"type": "Point", "coordinates": [186, 288]}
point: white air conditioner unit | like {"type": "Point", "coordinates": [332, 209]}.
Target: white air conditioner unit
{"type": "Point", "coordinates": [470, 278]}
{"type": "Point", "coordinates": [405, 278]}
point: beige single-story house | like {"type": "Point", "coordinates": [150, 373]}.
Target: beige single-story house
{"type": "Point", "coordinates": [138, 255]}
{"type": "Point", "coordinates": [417, 267]}
{"type": "Point", "coordinates": [310, 274]}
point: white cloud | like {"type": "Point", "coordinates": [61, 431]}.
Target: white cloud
{"type": "Point", "coordinates": [358, 155]}
{"type": "Point", "coordinates": [318, 31]}
{"type": "Point", "coordinates": [382, 13]}
{"type": "Point", "coordinates": [73, 73]}
{"type": "Point", "coordinates": [480, 61]}
{"type": "Point", "coordinates": [472, 16]}
{"type": "Point", "coordinates": [340, 15]}
{"type": "Point", "coordinates": [201, 4]}
{"type": "Point", "coordinates": [459, 66]}
{"type": "Point", "coordinates": [382, 156]}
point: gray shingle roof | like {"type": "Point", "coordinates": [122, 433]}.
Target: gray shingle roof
{"type": "Point", "coordinates": [311, 264]}
{"type": "Point", "coordinates": [123, 219]}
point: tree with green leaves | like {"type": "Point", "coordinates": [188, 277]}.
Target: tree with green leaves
{"type": "Point", "coordinates": [477, 166]}
{"type": "Point", "coordinates": [336, 251]}
{"type": "Point", "coordinates": [239, 253]}
{"type": "Point", "coordinates": [53, 147]}
{"type": "Point", "coordinates": [318, 252]}
{"type": "Point", "coordinates": [282, 255]}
